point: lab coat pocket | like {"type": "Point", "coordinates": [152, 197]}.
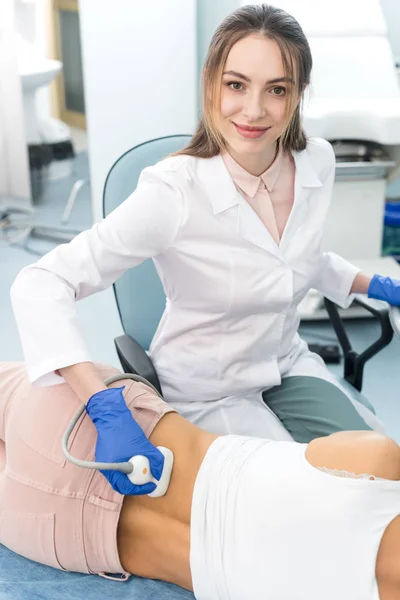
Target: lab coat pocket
{"type": "Point", "coordinates": [31, 535]}
{"type": "Point", "coordinates": [44, 417]}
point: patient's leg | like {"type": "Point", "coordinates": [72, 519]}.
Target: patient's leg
{"type": "Point", "coordinates": [2, 455]}
{"type": "Point", "coordinates": [13, 380]}
{"type": "Point", "coordinates": [74, 511]}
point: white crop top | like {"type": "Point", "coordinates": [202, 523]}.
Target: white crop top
{"type": "Point", "coordinates": [267, 524]}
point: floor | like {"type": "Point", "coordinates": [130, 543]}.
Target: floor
{"type": "Point", "coordinates": [99, 318]}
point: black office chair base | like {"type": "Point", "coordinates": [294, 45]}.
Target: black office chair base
{"type": "Point", "coordinates": [353, 362]}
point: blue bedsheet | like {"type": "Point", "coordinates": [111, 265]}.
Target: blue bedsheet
{"type": "Point", "coordinates": [23, 579]}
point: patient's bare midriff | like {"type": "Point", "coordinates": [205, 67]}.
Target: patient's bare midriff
{"type": "Point", "coordinates": [154, 533]}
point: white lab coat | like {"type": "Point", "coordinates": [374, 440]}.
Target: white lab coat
{"type": "Point", "coordinates": [229, 329]}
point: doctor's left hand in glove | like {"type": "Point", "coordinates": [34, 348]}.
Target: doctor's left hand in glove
{"type": "Point", "coordinates": [385, 288]}
{"type": "Point", "coordinates": [119, 438]}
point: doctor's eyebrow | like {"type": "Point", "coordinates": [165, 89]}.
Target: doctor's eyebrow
{"type": "Point", "coordinates": [245, 78]}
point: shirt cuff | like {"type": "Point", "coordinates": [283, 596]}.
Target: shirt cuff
{"type": "Point", "coordinates": [44, 374]}
{"type": "Point", "coordinates": [336, 279]}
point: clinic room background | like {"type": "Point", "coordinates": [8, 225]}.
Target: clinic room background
{"type": "Point", "coordinates": [83, 82]}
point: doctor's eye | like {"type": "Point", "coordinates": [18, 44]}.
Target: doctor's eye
{"type": "Point", "coordinates": [281, 90]}
{"type": "Point", "coordinates": [230, 83]}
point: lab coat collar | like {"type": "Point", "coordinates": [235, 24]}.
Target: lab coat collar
{"type": "Point", "coordinates": [219, 185]}
{"type": "Point", "coordinates": [235, 213]}
{"type": "Point", "coordinates": [222, 190]}
{"type": "Point", "coordinates": [305, 171]}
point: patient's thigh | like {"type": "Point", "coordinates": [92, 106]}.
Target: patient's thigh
{"type": "Point", "coordinates": [2, 455]}
{"type": "Point", "coordinates": [358, 452]}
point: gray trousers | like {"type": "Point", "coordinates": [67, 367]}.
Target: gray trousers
{"type": "Point", "coordinates": [310, 407]}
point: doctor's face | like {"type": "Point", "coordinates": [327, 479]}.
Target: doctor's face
{"type": "Point", "coordinates": [254, 94]}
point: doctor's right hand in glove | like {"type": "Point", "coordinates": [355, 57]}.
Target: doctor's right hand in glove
{"type": "Point", "coordinates": [119, 438]}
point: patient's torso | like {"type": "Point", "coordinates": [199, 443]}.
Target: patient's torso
{"type": "Point", "coordinates": [154, 533]}
{"type": "Point", "coordinates": [267, 524]}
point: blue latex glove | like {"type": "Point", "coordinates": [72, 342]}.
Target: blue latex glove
{"type": "Point", "coordinates": [119, 437]}
{"type": "Point", "coordinates": [385, 288]}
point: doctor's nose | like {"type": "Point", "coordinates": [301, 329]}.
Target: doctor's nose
{"type": "Point", "coordinates": [253, 108]}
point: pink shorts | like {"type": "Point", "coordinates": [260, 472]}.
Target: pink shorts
{"type": "Point", "coordinates": [52, 511]}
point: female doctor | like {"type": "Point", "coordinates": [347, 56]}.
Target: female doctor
{"type": "Point", "coordinates": [234, 224]}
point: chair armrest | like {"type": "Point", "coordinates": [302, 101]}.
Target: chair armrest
{"type": "Point", "coordinates": [135, 360]}
{"type": "Point", "coordinates": [354, 362]}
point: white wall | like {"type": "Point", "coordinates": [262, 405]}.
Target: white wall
{"type": "Point", "coordinates": [209, 15]}
{"type": "Point", "coordinates": [15, 189]}
{"type": "Point", "coordinates": [139, 63]}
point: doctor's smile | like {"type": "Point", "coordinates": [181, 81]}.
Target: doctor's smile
{"type": "Point", "coordinates": [250, 132]}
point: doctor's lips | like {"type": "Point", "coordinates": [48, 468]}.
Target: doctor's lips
{"type": "Point", "coordinates": [250, 132]}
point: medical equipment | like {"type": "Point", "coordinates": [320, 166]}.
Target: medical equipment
{"type": "Point", "coordinates": [137, 468]}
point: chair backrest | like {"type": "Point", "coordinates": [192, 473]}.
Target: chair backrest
{"type": "Point", "coordinates": [139, 293]}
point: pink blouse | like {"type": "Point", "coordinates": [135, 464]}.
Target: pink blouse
{"type": "Point", "coordinates": [271, 195]}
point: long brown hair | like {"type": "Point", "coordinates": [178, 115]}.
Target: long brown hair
{"type": "Point", "coordinates": [275, 24]}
